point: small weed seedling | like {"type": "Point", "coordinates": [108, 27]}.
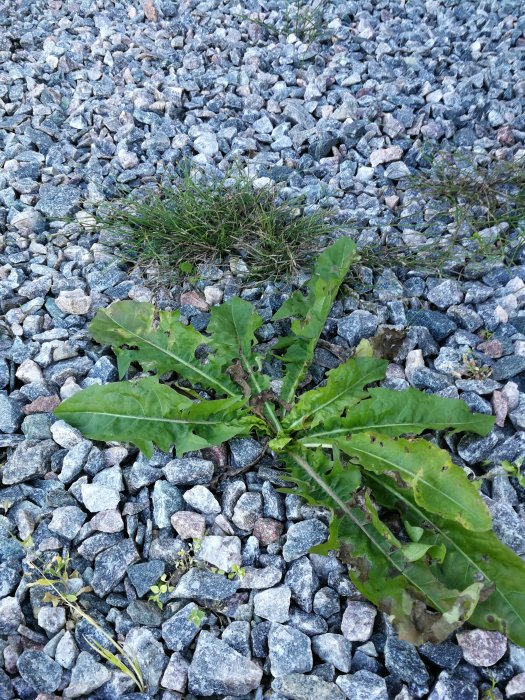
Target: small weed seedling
{"type": "Point", "coordinates": [56, 576]}
{"type": "Point", "coordinates": [196, 616]}
{"type": "Point", "coordinates": [413, 530]}
{"type": "Point", "coordinates": [160, 589]}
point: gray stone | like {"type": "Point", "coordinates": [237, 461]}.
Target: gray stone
{"type": "Point", "coordinates": [189, 471]}
{"type": "Point", "coordinates": [326, 602]}
{"type": "Point", "coordinates": [358, 325]}
{"type": "Point", "coordinates": [58, 202]}
{"type": "Point", "coordinates": [11, 616]}
{"type": "Point", "coordinates": [218, 669]}
{"type": "Point", "coordinates": [260, 578]}
{"type": "Point", "coordinates": [403, 661]}
{"type": "Point", "coordinates": [363, 685]}
{"type": "Point", "coordinates": [167, 500]}
{"type": "Point", "coordinates": [334, 649]}
{"type": "Point", "coordinates": [289, 651]}
{"type": "Point", "coordinates": [447, 688]}
{"type": "Point", "coordinates": [74, 461]}
{"type": "Point", "coordinates": [508, 525]}
{"type": "Point", "coordinates": [10, 414]}
{"type": "Point", "coordinates": [67, 651]}
{"type": "Point", "coordinates": [144, 613]}
{"type": "Point", "coordinates": [39, 671]}
{"type": "Point", "coordinates": [302, 536]}
{"type": "Point", "coordinates": [273, 604]}
{"type": "Point", "coordinates": [180, 629]}
{"type": "Point", "coordinates": [111, 566]}
{"type": "Point", "coordinates": [87, 675]}
{"type": "Point", "coordinates": [243, 451]}
{"type": "Point", "coordinates": [200, 498]}
{"type": "Point", "coordinates": [149, 654]}
{"type": "Point", "coordinates": [67, 521]}
{"type": "Point", "coordinates": [302, 580]}
{"type": "Point", "coordinates": [508, 367]}
{"type": "Point", "coordinates": [176, 674]}
{"type": "Point", "coordinates": [516, 687]}
{"type": "Point", "coordinates": [145, 575]}
{"type": "Point", "coordinates": [30, 460]}
{"type": "Point", "coordinates": [297, 686]}
{"type": "Point", "coordinates": [247, 510]}
{"type": "Point", "coordinates": [204, 585]}
{"type": "Point", "coordinates": [51, 619]}
{"type": "Point", "coordinates": [447, 293]}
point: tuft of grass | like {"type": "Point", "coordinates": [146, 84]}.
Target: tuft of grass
{"type": "Point", "coordinates": [486, 201]}
{"type": "Point", "coordinates": [479, 207]}
{"type": "Point", "coordinates": [304, 18]}
{"type": "Point", "coordinates": [204, 220]}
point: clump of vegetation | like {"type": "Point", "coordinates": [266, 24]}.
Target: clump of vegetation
{"type": "Point", "coordinates": [487, 200]}
{"type": "Point", "coordinates": [479, 216]}
{"type": "Point", "coordinates": [303, 18]}
{"type": "Point", "coordinates": [414, 531]}
{"type": "Point", "coordinates": [205, 219]}
{"type": "Point", "coordinates": [160, 589]}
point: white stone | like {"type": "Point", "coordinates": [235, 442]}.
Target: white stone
{"type": "Point", "coordinates": [29, 372]}
{"type": "Point", "coordinates": [222, 552]}
{"type": "Point", "coordinates": [74, 301]}
{"type": "Point", "coordinates": [65, 435]}
{"type": "Point", "coordinates": [97, 498]}
{"type": "Point", "coordinates": [482, 648]}
{"type": "Point", "coordinates": [357, 624]}
{"type": "Point", "coordinates": [385, 155]}
{"type": "Point", "coordinates": [200, 498]}
{"type": "Point", "coordinates": [273, 604]}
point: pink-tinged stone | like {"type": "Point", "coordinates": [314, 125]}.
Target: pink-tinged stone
{"type": "Point", "coordinates": [506, 136]}
{"type": "Point", "coordinates": [44, 404]}
{"type": "Point", "coordinates": [500, 406]}
{"type": "Point", "coordinates": [218, 454]}
{"type": "Point", "coordinates": [188, 525]}
{"type": "Point", "coordinates": [194, 299]}
{"type": "Point", "coordinates": [392, 201]}
{"type": "Point", "coordinates": [267, 530]}
{"type": "Point", "coordinates": [491, 348]}
{"type": "Point", "coordinates": [358, 620]}
{"type": "Point", "coordinates": [107, 521]}
{"type": "Point", "coordinates": [150, 10]}
{"type": "Point", "coordinates": [512, 394]}
{"type": "Point", "coordinates": [482, 648]}
{"type": "Point", "coordinates": [385, 155]}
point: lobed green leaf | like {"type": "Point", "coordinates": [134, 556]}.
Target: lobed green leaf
{"type": "Point", "coordinates": [438, 485]}
{"type": "Point", "coordinates": [311, 311]}
{"type": "Point", "coordinates": [477, 557]}
{"type": "Point", "coordinates": [343, 390]}
{"type": "Point", "coordinates": [147, 413]}
{"type": "Point", "coordinates": [159, 342]}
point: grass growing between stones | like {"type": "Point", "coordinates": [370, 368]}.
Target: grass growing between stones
{"type": "Point", "coordinates": [207, 219]}
{"type": "Point", "coordinates": [478, 216]}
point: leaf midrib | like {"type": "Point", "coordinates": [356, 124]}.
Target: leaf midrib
{"type": "Point", "coordinates": [399, 468]}
{"type": "Point", "coordinates": [424, 517]}
{"type": "Point", "coordinates": [336, 432]}
{"type": "Point", "coordinates": [175, 357]}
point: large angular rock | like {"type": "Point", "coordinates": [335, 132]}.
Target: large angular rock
{"type": "Point", "coordinates": [358, 621]}
{"type": "Point", "coordinates": [289, 651]}
{"type": "Point", "coordinates": [204, 585]}
{"type": "Point", "coordinates": [481, 647]}
{"type": "Point", "coordinates": [111, 566]}
{"type": "Point", "coordinates": [302, 536]}
{"type": "Point", "coordinates": [181, 629]}
{"type": "Point", "coordinates": [29, 461]}
{"type": "Point", "coordinates": [217, 669]}
{"type": "Point", "coordinates": [87, 675]}
{"type": "Point", "coordinates": [297, 686]}
{"type": "Point", "coordinates": [39, 671]}
{"type": "Point", "coordinates": [363, 685]}
{"type": "Point", "coordinates": [141, 645]}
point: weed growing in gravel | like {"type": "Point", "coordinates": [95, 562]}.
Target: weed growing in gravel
{"type": "Point", "coordinates": [489, 198]}
{"type": "Point", "coordinates": [206, 219]}
{"type": "Point", "coordinates": [481, 208]}
{"type": "Point", "coordinates": [301, 17]}
{"type": "Point", "coordinates": [160, 589]}
{"type": "Point", "coordinates": [56, 576]}
{"type": "Point", "coordinates": [413, 530]}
